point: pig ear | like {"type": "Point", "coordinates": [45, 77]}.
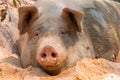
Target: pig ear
{"type": "Point", "coordinates": [74, 16]}
{"type": "Point", "coordinates": [27, 14]}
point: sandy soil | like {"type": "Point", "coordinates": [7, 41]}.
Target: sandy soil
{"type": "Point", "coordinates": [86, 69]}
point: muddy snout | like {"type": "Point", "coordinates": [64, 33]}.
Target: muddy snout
{"type": "Point", "coordinates": [49, 58]}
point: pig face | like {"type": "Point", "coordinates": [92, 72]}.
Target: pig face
{"type": "Point", "coordinates": [50, 39]}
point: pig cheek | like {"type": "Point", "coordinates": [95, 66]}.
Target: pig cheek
{"type": "Point", "coordinates": [22, 41]}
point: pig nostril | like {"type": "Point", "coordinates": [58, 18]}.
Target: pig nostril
{"type": "Point", "coordinates": [53, 55]}
{"type": "Point", "coordinates": [43, 55]}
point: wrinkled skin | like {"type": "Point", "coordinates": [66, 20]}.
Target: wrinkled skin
{"type": "Point", "coordinates": [54, 35]}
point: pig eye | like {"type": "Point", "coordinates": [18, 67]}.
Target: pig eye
{"type": "Point", "coordinates": [63, 32]}
{"type": "Point", "coordinates": [36, 33]}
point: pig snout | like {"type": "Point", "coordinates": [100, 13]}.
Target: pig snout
{"type": "Point", "coordinates": [49, 59]}
{"type": "Point", "coordinates": [48, 56]}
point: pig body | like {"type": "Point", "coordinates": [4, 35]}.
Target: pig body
{"type": "Point", "coordinates": [55, 35]}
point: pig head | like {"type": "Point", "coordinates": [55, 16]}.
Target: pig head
{"type": "Point", "coordinates": [52, 38]}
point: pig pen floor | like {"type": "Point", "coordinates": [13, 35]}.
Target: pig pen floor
{"type": "Point", "coordinates": [86, 69]}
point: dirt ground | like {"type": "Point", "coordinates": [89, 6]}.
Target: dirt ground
{"type": "Point", "coordinates": [10, 68]}
{"type": "Point", "coordinates": [86, 69]}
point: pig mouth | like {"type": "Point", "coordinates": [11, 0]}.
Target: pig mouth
{"type": "Point", "coordinates": [52, 70]}
{"type": "Point", "coordinates": [52, 67]}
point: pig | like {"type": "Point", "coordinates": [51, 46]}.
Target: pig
{"type": "Point", "coordinates": [54, 35]}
